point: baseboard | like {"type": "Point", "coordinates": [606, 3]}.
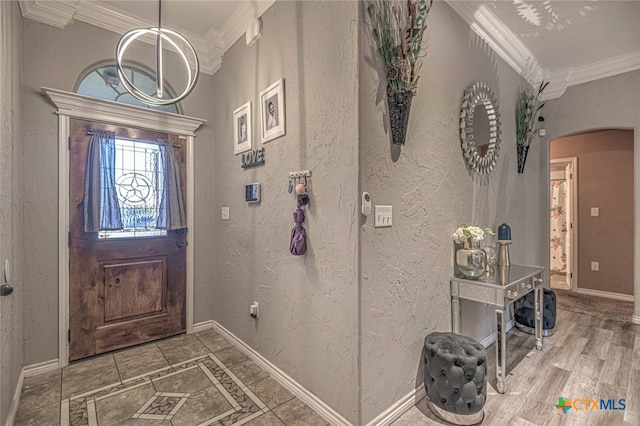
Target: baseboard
{"type": "Point", "coordinates": [15, 402]}
{"type": "Point", "coordinates": [203, 326]}
{"type": "Point", "coordinates": [608, 294]}
{"type": "Point", "coordinates": [397, 409]}
{"type": "Point", "coordinates": [41, 368]}
{"type": "Point", "coordinates": [490, 339]}
{"type": "Point", "coordinates": [320, 407]}
{"type": "Point", "coordinates": [636, 319]}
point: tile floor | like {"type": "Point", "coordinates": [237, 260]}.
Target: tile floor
{"type": "Point", "coordinates": [188, 380]}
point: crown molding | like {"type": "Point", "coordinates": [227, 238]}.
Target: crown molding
{"type": "Point", "coordinates": [572, 76]}
{"type": "Point", "coordinates": [237, 24]}
{"type": "Point", "coordinates": [500, 38]}
{"type": "Point", "coordinates": [210, 46]}
{"type": "Point", "coordinates": [57, 13]}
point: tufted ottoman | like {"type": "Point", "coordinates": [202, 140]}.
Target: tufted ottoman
{"type": "Point", "coordinates": [525, 315]}
{"type": "Point", "coordinates": [455, 377]}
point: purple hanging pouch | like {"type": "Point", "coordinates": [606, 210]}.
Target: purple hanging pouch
{"type": "Point", "coordinates": [298, 244]}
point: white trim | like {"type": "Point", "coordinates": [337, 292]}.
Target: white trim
{"type": "Point", "coordinates": [636, 319]}
{"type": "Point", "coordinates": [515, 53]}
{"type": "Point", "coordinates": [41, 368]}
{"type": "Point", "coordinates": [237, 24]}
{"type": "Point", "coordinates": [319, 406]}
{"type": "Point", "coordinates": [571, 76]}
{"type": "Point", "coordinates": [190, 230]}
{"type": "Point", "coordinates": [90, 108]}
{"type": "Point", "coordinates": [398, 408]}
{"type": "Point", "coordinates": [490, 339]}
{"type": "Point", "coordinates": [607, 294]}
{"type": "Point", "coordinates": [15, 402]}
{"type": "Point", "coordinates": [202, 326]}
{"type": "Point", "coordinates": [573, 232]}
{"type": "Point", "coordinates": [85, 107]}
{"type": "Point", "coordinates": [501, 39]}
{"type": "Point", "coordinates": [209, 46]}
{"type": "Point", "coordinates": [63, 246]}
{"type": "Point", "coordinates": [55, 13]}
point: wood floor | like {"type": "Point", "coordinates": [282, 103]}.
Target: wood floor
{"type": "Point", "coordinates": [589, 357]}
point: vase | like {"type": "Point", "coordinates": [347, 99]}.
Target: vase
{"type": "Point", "coordinates": [399, 104]}
{"type": "Point", "coordinates": [522, 157]}
{"type": "Point", "coordinates": [470, 260]}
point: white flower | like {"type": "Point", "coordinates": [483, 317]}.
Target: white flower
{"type": "Point", "coordinates": [470, 234]}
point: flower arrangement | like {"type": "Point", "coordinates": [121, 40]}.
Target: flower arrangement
{"type": "Point", "coordinates": [470, 234]}
{"type": "Point", "coordinates": [399, 26]}
{"type": "Point", "coordinates": [527, 113]}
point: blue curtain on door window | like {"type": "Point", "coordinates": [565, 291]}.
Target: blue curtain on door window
{"type": "Point", "coordinates": [101, 205]}
{"type": "Point", "coordinates": [172, 214]}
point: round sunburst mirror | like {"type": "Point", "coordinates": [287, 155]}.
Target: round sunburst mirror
{"type": "Point", "coordinates": [480, 128]}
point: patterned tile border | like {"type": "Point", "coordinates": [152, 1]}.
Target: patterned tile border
{"type": "Point", "coordinates": [80, 410]}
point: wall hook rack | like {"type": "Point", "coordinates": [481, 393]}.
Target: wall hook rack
{"type": "Point", "coordinates": [299, 174]}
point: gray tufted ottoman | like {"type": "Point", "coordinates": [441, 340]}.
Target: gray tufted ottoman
{"type": "Point", "coordinates": [455, 377]}
{"type": "Point", "coordinates": [525, 315]}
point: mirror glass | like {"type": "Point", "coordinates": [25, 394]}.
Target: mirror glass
{"type": "Point", "coordinates": [480, 128]}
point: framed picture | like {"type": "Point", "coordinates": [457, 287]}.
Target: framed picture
{"type": "Point", "coordinates": [242, 129]}
{"type": "Point", "coordinates": [272, 117]}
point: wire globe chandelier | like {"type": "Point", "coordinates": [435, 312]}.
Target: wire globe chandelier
{"type": "Point", "coordinates": [172, 38]}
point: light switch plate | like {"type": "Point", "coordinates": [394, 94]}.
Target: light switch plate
{"type": "Point", "coordinates": [224, 213]}
{"type": "Point", "coordinates": [595, 266]}
{"type": "Point", "coordinates": [383, 216]}
{"type": "Point", "coordinates": [595, 211]}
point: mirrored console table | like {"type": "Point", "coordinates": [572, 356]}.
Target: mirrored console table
{"type": "Point", "coordinates": [505, 286]}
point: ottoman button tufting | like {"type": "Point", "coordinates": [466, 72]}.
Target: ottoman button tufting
{"type": "Point", "coordinates": [455, 393]}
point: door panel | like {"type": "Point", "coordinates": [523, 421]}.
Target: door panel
{"type": "Point", "coordinates": [134, 289]}
{"type": "Point", "coordinates": [122, 291]}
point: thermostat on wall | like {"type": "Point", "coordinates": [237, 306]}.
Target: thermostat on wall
{"type": "Point", "coordinates": [252, 193]}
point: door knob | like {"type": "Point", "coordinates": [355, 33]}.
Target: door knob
{"type": "Point", "coordinates": [180, 244]}
{"type": "Point", "coordinates": [6, 289]}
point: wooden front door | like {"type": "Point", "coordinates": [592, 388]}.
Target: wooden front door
{"type": "Point", "coordinates": [125, 287]}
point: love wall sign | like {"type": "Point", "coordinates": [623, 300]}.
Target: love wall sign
{"type": "Point", "coordinates": [253, 158]}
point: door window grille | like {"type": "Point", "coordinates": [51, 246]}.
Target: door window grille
{"type": "Point", "coordinates": [139, 185]}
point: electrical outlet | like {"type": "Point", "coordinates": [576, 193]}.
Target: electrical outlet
{"type": "Point", "coordinates": [595, 266]}
{"type": "Point", "coordinates": [595, 211]}
{"type": "Point", "coordinates": [224, 213]}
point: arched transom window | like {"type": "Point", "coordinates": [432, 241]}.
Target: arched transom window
{"type": "Point", "coordinates": [104, 83]}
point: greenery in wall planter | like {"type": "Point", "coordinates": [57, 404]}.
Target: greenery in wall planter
{"type": "Point", "coordinates": [527, 113]}
{"type": "Point", "coordinates": [398, 26]}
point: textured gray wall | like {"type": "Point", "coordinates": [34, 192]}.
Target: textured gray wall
{"type": "Point", "coordinates": [57, 58]}
{"type": "Point", "coordinates": [405, 269]}
{"type": "Point", "coordinates": [11, 206]}
{"type": "Point", "coordinates": [309, 309]}
{"type": "Point", "coordinates": [608, 103]}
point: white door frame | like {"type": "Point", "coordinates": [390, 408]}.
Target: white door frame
{"type": "Point", "coordinates": [71, 105]}
{"type": "Point", "coordinates": [573, 230]}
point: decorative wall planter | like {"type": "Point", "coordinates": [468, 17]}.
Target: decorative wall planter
{"type": "Point", "coordinates": [522, 157]}
{"type": "Point", "coordinates": [399, 104]}
{"type": "Point", "coordinates": [399, 26]}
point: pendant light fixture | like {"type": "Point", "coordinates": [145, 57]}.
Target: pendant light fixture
{"type": "Point", "coordinates": [171, 37]}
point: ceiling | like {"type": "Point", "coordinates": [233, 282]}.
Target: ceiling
{"type": "Point", "coordinates": [566, 42]}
